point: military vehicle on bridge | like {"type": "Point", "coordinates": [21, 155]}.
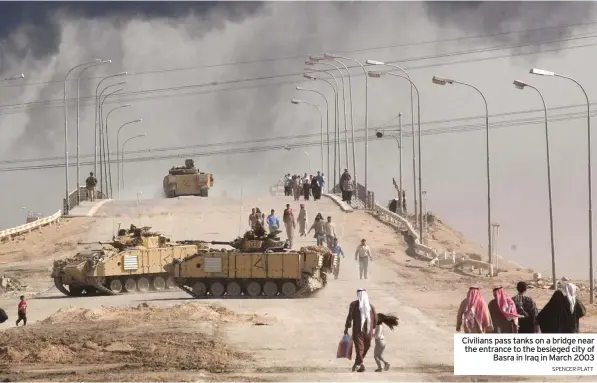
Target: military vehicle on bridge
{"type": "Point", "coordinates": [135, 260]}
{"type": "Point", "coordinates": [187, 180]}
{"type": "Point", "coordinates": [259, 265]}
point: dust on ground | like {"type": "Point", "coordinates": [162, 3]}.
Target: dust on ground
{"type": "Point", "coordinates": [450, 285]}
{"type": "Point", "coordinates": [146, 341]}
{"type": "Point", "coordinates": [27, 258]}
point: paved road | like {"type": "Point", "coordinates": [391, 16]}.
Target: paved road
{"type": "Point", "coordinates": [301, 342]}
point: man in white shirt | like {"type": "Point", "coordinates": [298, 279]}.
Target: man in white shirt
{"type": "Point", "coordinates": [363, 255]}
{"type": "Point", "coordinates": [330, 232]}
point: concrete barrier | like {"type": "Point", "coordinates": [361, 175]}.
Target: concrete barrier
{"type": "Point", "coordinates": [337, 199]}
{"type": "Point", "coordinates": [30, 226]}
{"type": "Point", "coordinates": [400, 221]}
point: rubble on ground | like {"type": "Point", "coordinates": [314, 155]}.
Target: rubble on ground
{"type": "Point", "coordinates": [10, 284]}
{"type": "Point", "coordinates": [145, 338]}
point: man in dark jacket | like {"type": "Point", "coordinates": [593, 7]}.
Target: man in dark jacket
{"type": "Point", "coordinates": [90, 183]}
{"type": "Point", "coordinates": [346, 186]}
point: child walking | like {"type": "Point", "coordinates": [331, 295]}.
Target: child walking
{"type": "Point", "coordinates": [380, 343]}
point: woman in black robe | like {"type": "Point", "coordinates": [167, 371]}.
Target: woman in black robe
{"type": "Point", "coordinates": [557, 318]}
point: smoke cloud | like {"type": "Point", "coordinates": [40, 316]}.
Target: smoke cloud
{"type": "Point", "coordinates": [156, 41]}
{"type": "Point", "coordinates": [497, 17]}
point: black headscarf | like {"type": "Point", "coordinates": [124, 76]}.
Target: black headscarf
{"type": "Point", "coordinates": [556, 318]}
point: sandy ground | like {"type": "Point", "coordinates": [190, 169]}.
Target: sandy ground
{"type": "Point", "coordinates": [267, 340]}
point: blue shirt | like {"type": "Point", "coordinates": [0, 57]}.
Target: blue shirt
{"type": "Point", "coordinates": [272, 221]}
{"type": "Point", "coordinates": [337, 250]}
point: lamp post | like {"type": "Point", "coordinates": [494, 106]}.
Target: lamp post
{"type": "Point", "coordinates": [78, 81]}
{"type": "Point", "coordinates": [354, 161]}
{"type": "Point", "coordinates": [542, 72]}
{"type": "Point", "coordinates": [337, 150]}
{"type": "Point", "coordinates": [106, 149]}
{"type": "Point", "coordinates": [522, 85]}
{"type": "Point", "coordinates": [118, 151]}
{"type": "Point", "coordinates": [327, 124]}
{"type": "Point", "coordinates": [335, 90]}
{"type": "Point", "coordinates": [67, 204]}
{"type": "Point", "coordinates": [443, 81]}
{"type": "Point", "coordinates": [335, 56]}
{"type": "Point", "coordinates": [319, 60]}
{"type": "Point", "coordinates": [412, 115]}
{"type": "Point", "coordinates": [296, 102]}
{"type": "Point", "coordinates": [379, 74]}
{"type": "Point", "coordinates": [398, 139]}
{"type": "Point", "coordinates": [122, 155]}
{"type": "Point", "coordinates": [96, 117]}
{"type": "Point", "coordinates": [107, 129]}
{"type": "Point", "coordinates": [305, 153]}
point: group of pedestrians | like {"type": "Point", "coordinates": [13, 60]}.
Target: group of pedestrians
{"type": "Point", "coordinates": [519, 314]}
{"type": "Point", "coordinates": [305, 186]}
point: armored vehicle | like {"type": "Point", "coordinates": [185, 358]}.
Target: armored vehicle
{"type": "Point", "coordinates": [135, 260]}
{"type": "Point", "coordinates": [187, 180]}
{"type": "Point", "coordinates": [259, 265]}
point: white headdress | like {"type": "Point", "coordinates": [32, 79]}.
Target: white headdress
{"type": "Point", "coordinates": [364, 308]}
{"type": "Point", "coordinates": [570, 290]}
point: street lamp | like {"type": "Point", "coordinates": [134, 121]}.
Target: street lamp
{"type": "Point", "coordinates": [305, 153]}
{"type": "Point", "coordinates": [117, 151]}
{"type": "Point", "coordinates": [542, 72]}
{"type": "Point", "coordinates": [78, 81]}
{"type": "Point", "coordinates": [327, 124]}
{"type": "Point", "coordinates": [443, 81]}
{"type": "Point", "coordinates": [96, 117]}
{"type": "Point", "coordinates": [296, 102]}
{"type": "Point", "coordinates": [103, 131]}
{"type": "Point", "coordinates": [521, 85]}
{"type": "Point", "coordinates": [122, 155]}
{"type": "Point", "coordinates": [337, 132]}
{"type": "Point", "coordinates": [412, 115]}
{"type": "Point", "coordinates": [67, 204]}
{"type": "Point", "coordinates": [335, 90]}
{"type": "Point", "coordinates": [319, 60]}
{"type": "Point", "coordinates": [398, 139]}
{"type": "Point", "coordinates": [335, 56]}
{"type": "Point", "coordinates": [107, 135]}
{"type": "Point", "coordinates": [379, 74]}
{"type": "Point", "coordinates": [354, 161]}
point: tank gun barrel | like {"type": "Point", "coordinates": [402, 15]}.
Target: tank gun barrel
{"type": "Point", "coordinates": [95, 242]}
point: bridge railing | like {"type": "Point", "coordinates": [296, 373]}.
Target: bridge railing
{"type": "Point", "coordinates": [7, 233]}
{"type": "Point", "coordinates": [361, 199]}
{"type": "Point", "coordinates": [432, 255]}
{"type": "Point", "coordinates": [76, 197]}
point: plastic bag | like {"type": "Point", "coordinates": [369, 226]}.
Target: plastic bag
{"type": "Point", "coordinates": [345, 348]}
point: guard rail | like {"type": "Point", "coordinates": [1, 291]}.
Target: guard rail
{"type": "Point", "coordinates": [30, 226]}
{"type": "Point", "coordinates": [76, 196]}
{"type": "Point", "coordinates": [430, 254]}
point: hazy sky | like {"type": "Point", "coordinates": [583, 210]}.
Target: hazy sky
{"type": "Point", "coordinates": [44, 40]}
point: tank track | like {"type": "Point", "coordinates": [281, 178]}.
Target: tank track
{"type": "Point", "coordinates": [308, 286]}
{"type": "Point", "coordinates": [60, 287]}
{"type": "Point", "coordinates": [99, 284]}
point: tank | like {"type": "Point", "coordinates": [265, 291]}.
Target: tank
{"type": "Point", "coordinates": [258, 266]}
{"type": "Point", "coordinates": [135, 260]}
{"type": "Point", "coordinates": [187, 180]}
